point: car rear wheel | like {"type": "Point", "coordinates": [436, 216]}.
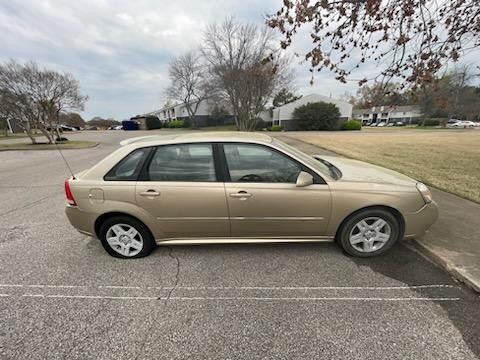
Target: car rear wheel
{"type": "Point", "coordinates": [126, 238]}
{"type": "Point", "coordinates": [369, 232]}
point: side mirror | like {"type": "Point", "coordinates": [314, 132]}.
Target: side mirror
{"type": "Point", "coordinates": [304, 179]}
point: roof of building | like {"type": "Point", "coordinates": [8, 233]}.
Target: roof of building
{"type": "Point", "coordinates": [313, 97]}
{"type": "Point", "coordinates": [389, 108]}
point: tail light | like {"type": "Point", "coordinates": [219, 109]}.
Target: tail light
{"type": "Point", "coordinates": [68, 194]}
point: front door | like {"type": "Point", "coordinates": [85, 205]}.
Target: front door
{"type": "Point", "coordinates": [182, 192]}
{"type": "Point", "coordinates": [263, 199]}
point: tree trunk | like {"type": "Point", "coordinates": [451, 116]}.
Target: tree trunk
{"type": "Point", "coordinates": [30, 135]}
{"type": "Point", "coordinates": [46, 134]}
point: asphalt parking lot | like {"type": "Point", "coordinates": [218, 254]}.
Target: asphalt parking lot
{"type": "Point", "coordinates": [62, 296]}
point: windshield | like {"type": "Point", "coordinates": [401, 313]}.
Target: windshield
{"type": "Point", "coordinates": [323, 166]}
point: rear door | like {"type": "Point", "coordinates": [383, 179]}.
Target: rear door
{"type": "Point", "coordinates": [182, 191]}
{"type": "Point", "coordinates": [263, 198]}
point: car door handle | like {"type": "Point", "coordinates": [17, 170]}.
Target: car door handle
{"type": "Point", "coordinates": [243, 194]}
{"type": "Point", "coordinates": [149, 193]}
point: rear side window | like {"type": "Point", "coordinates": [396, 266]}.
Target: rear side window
{"type": "Point", "coordinates": [129, 167]}
{"type": "Point", "coordinates": [182, 162]}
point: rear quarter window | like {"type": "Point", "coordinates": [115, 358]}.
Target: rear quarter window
{"type": "Point", "coordinates": [129, 167]}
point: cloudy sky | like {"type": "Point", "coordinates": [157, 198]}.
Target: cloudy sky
{"type": "Point", "coordinates": [119, 50]}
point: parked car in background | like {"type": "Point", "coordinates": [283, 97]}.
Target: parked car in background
{"type": "Point", "coordinates": [400, 123]}
{"type": "Point", "coordinates": [382, 124]}
{"type": "Point", "coordinates": [468, 124]}
{"type": "Point", "coordinates": [242, 188]}
{"type": "Point", "coordinates": [460, 124]}
{"type": "Point", "coordinates": [115, 127]}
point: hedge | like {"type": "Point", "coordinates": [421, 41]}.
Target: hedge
{"type": "Point", "coordinates": [352, 124]}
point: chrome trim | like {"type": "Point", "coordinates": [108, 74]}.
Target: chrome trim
{"type": "Point", "coordinates": [264, 218]}
{"type": "Point", "coordinates": [240, 240]}
{"type": "Point", "coordinates": [186, 218]}
{"type": "Point", "coordinates": [274, 218]}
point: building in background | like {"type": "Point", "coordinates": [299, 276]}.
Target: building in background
{"type": "Point", "coordinates": [209, 112]}
{"type": "Point", "coordinates": [408, 114]}
{"type": "Point", "coordinates": [283, 115]}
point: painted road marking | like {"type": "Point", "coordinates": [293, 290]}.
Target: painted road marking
{"type": "Point", "coordinates": [221, 298]}
{"type": "Point", "coordinates": [400, 287]}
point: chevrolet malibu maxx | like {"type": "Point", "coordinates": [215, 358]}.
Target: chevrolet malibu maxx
{"type": "Point", "coordinates": [241, 188]}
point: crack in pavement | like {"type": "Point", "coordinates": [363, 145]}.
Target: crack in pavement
{"type": "Point", "coordinates": [177, 273]}
{"type": "Point", "coordinates": [171, 253]}
{"type": "Point", "coordinates": [33, 203]}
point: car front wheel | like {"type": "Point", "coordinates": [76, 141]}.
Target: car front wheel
{"type": "Point", "coordinates": [126, 238]}
{"type": "Point", "coordinates": [369, 232]}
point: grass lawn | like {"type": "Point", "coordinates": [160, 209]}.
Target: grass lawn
{"type": "Point", "coordinates": [67, 145]}
{"type": "Point", "coordinates": [219, 128]}
{"type": "Point", "coordinates": [15, 136]}
{"type": "Point", "coordinates": [446, 159]}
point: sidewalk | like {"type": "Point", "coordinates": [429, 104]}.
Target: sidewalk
{"type": "Point", "coordinates": [453, 242]}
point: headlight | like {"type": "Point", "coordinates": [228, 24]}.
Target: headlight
{"type": "Point", "coordinates": [425, 192]}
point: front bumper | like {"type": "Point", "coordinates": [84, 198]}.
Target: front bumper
{"type": "Point", "coordinates": [418, 223]}
{"type": "Point", "coordinates": [81, 220]}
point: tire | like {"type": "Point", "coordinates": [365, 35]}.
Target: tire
{"type": "Point", "coordinates": [139, 241]}
{"type": "Point", "coordinates": [359, 240]}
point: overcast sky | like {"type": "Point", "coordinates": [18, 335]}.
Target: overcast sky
{"type": "Point", "coordinates": [120, 50]}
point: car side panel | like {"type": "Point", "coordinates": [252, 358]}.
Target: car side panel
{"type": "Point", "coordinates": [278, 209]}
{"type": "Point", "coordinates": [349, 197]}
{"type": "Point", "coordinates": [185, 209]}
{"type": "Point", "coordinates": [95, 198]}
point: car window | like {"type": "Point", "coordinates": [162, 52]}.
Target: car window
{"type": "Point", "coordinates": [256, 163]}
{"type": "Point", "coordinates": [129, 167]}
{"type": "Point", "coordinates": [182, 162]}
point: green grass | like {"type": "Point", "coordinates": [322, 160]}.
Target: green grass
{"type": "Point", "coordinates": [15, 136]}
{"type": "Point", "coordinates": [43, 146]}
{"type": "Point", "coordinates": [219, 128]}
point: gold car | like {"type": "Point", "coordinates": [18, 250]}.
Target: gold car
{"type": "Point", "coordinates": [241, 188]}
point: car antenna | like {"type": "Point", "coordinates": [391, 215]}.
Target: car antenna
{"type": "Point", "coordinates": [63, 157]}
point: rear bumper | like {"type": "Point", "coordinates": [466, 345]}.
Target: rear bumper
{"type": "Point", "coordinates": [82, 221]}
{"type": "Point", "coordinates": [418, 223]}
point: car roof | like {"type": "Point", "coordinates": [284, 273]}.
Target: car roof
{"type": "Point", "coordinates": [212, 136]}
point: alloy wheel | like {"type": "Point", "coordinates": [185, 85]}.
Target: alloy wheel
{"type": "Point", "coordinates": [370, 234]}
{"type": "Point", "coordinates": [124, 239]}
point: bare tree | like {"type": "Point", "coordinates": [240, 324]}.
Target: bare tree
{"type": "Point", "coordinates": [6, 110]}
{"type": "Point", "coordinates": [409, 39]}
{"type": "Point", "coordinates": [188, 83]}
{"type": "Point", "coordinates": [246, 68]}
{"type": "Point", "coordinates": [39, 95]}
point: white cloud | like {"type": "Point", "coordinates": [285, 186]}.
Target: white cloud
{"type": "Point", "coordinates": [120, 49]}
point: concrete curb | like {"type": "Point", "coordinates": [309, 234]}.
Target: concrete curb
{"type": "Point", "coordinates": [456, 272]}
{"type": "Point", "coordinates": [20, 148]}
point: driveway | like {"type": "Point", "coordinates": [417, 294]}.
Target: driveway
{"type": "Point", "coordinates": [62, 296]}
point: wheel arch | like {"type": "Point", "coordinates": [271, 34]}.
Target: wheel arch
{"type": "Point", "coordinates": [398, 215]}
{"type": "Point", "coordinates": [102, 218]}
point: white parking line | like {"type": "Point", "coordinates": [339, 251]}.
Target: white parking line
{"type": "Point", "coordinates": [399, 287]}
{"type": "Point", "coordinates": [43, 286]}
{"type": "Point", "coordinates": [221, 298]}
{"type": "Point", "coordinates": [304, 287]}
{"type": "Point", "coordinates": [118, 287]}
